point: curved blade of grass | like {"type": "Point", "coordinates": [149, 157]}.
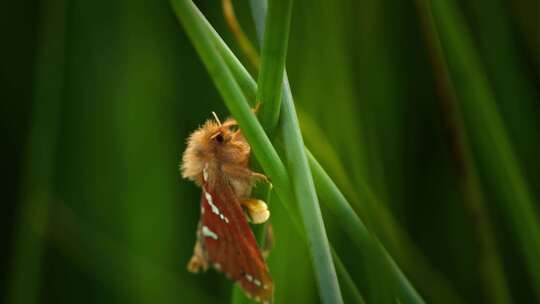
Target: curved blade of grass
{"type": "Point", "coordinates": [274, 50]}
{"type": "Point", "coordinates": [487, 131]}
{"type": "Point", "coordinates": [240, 73]}
{"type": "Point", "coordinates": [338, 205]}
{"type": "Point", "coordinates": [274, 53]}
{"type": "Point", "coordinates": [310, 213]}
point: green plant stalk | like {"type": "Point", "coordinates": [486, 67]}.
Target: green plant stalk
{"type": "Point", "coordinates": [310, 213]}
{"type": "Point", "coordinates": [240, 73]}
{"type": "Point", "coordinates": [24, 284]}
{"type": "Point", "coordinates": [338, 205]}
{"type": "Point", "coordinates": [270, 83]}
{"type": "Point", "coordinates": [490, 138]}
{"type": "Point", "coordinates": [489, 262]}
{"type": "Point", "coordinates": [274, 53]}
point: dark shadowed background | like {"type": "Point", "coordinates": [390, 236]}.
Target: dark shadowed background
{"type": "Point", "coordinates": [97, 99]}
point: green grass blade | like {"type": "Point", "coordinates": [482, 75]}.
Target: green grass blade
{"type": "Point", "coordinates": [358, 232]}
{"type": "Point", "coordinates": [240, 73]}
{"type": "Point", "coordinates": [269, 92]}
{"type": "Point", "coordinates": [274, 52]}
{"type": "Point", "coordinates": [304, 189]}
{"type": "Point", "coordinates": [487, 131]}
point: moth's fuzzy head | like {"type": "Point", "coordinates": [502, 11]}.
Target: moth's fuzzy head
{"type": "Point", "coordinates": [212, 145]}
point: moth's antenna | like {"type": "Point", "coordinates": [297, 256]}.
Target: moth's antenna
{"type": "Point", "coordinates": [216, 117]}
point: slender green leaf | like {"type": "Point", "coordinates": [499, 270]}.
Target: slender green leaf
{"type": "Point", "coordinates": [269, 92]}
{"type": "Point", "coordinates": [274, 51]}
{"type": "Point", "coordinates": [338, 205]}
{"type": "Point", "coordinates": [245, 81]}
{"type": "Point", "coordinates": [310, 212]}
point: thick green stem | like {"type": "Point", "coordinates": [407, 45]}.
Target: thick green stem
{"type": "Point", "coordinates": [274, 53]}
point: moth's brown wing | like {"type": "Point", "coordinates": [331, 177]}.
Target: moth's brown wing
{"type": "Point", "coordinates": [230, 244]}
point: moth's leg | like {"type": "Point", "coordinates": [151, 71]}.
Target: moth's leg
{"type": "Point", "coordinates": [268, 243]}
{"type": "Point", "coordinates": [257, 210]}
{"type": "Point", "coordinates": [243, 173]}
{"type": "Point", "coordinates": [257, 107]}
{"type": "Point", "coordinates": [198, 261]}
{"type": "Point", "coordinates": [259, 177]}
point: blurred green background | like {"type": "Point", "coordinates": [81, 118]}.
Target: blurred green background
{"type": "Point", "coordinates": [99, 96]}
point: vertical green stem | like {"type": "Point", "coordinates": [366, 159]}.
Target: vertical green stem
{"type": "Point", "coordinates": [274, 53]}
{"type": "Point", "coordinates": [270, 82]}
{"type": "Point", "coordinates": [310, 213]}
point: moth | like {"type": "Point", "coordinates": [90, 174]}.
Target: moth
{"type": "Point", "coordinates": [217, 160]}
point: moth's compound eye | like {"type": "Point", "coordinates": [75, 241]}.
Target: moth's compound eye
{"type": "Point", "coordinates": [219, 138]}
